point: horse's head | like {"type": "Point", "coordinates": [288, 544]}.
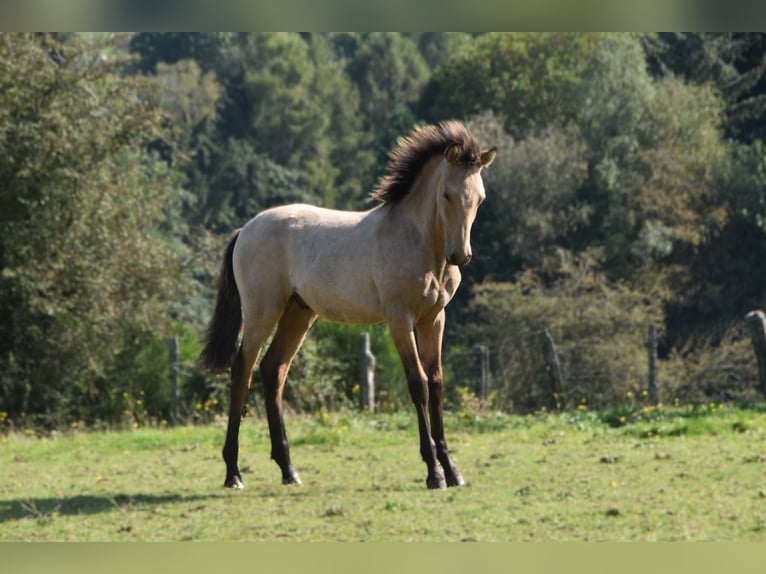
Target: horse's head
{"type": "Point", "coordinates": [459, 195]}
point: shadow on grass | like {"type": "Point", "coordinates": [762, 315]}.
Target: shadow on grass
{"type": "Point", "coordinates": [42, 508]}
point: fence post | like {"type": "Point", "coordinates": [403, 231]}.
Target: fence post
{"type": "Point", "coordinates": [756, 323]}
{"type": "Point", "coordinates": [173, 345]}
{"type": "Point", "coordinates": [482, 390]}
{"type": "Point", "coordinates": [367, 375]}
{"type": "Point", "coordinates": [651, 345]}
{"type": "Point", "coordinates": [553, 366]}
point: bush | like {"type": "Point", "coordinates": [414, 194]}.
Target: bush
{"type": "Point", "coordinates": [325, 374]}
{"type": "Point", "coordinates": [721, 371]}
{"type": "Point", "coordinates": [85, 259]}
{"type": "Point", "coordinates": [599, 332]}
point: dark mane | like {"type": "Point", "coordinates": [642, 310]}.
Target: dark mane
{"type": "Point", "coordinates": [415, 150]}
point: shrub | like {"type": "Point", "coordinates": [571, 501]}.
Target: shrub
{"type": "Point", "coordinates": [599, 331]}
{"type": "Point", "coordinates": [723, 370]}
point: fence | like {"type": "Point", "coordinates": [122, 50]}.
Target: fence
{"type": "Point", "coordinates": [530, 369]}
{"type": "Point", "coordinates": [534, 370]}
{"type": "Point", "coordinates": [756, 323]}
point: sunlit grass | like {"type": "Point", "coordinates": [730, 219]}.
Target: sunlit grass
{"type": "Point", "coordinates": [675, 473]}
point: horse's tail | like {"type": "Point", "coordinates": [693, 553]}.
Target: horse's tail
{"type": "Point", "coordinates": [223, 331]}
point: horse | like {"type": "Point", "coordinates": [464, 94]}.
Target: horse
{"type": "Point", "coordinates": [397, 263]}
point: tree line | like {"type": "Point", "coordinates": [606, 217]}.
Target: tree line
{"type": "Point", "coordinates": [630, 188]}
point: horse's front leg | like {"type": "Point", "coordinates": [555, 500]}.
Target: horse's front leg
{"type": "Point", "coordinates": [430, 335]}
{"type": "Point", "coordinates": [404, 340]}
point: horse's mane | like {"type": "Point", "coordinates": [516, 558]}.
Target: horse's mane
{"type": "Point", "coordinates": [415, 150]}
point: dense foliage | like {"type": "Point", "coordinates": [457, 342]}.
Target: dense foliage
{"type": "Point", "coordinates": [630, 188]}
{"type": "Point", "coordinates": [87, 255]}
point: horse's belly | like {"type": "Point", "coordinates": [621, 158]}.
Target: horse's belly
{"type": "Point", "coordinates": [339, 296]}
{"type": "Point", "coordinates": [343, 309]}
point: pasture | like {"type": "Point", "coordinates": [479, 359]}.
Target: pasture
{"type": "Point", "coordinates": [672, 474]}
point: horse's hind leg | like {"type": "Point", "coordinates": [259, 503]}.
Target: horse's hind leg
{"type": "Point", "coordinates": [293, 326]}
{"type": "Point", "coordinates": [253, 338]}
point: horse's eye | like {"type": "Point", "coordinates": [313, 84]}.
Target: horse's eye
{"type": "Point", "coordinates": [446, 196]}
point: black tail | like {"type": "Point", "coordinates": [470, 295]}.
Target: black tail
{"type": "Point", "coordinates": [223, 331]}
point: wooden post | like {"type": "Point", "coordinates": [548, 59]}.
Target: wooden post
{"type": "Point", "coordinates": [651, 345]}
{"type": "Point", "coordinates": [553, 366]}
{"type": "Point", "coordinates": [173, 345]}
{"type": "Point", "coordinates": [482, 391]}
{"type": "Point", "coordinates": [756, 322]}
{"type": "Point", "coordinates": [367, 375]}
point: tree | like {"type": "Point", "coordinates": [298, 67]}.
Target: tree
{"type": "Point", "coordinates": [205, 48]}
{"type": "Point", "coordinates": [436, 47]}
{"type": "Point", "coordinates": [655, 160]}
{"type": "Point", "coordinates": [191, 96]}
{"type": "Point", "coordinates": [721, 278]}
{"type": "Point", "coordinates": [350, 158]}
{"type": "Point", "coordinates": [241, 182]}
{"type": "Point", "coordinates": [639, 187]}
{"type": "Point", "coordinates": [83, 253]}
{"type": "Point", "coordinates": [732, 63]}
{"type": "Point", "coordinates": [287, 98]}
{"type": "Point", "coordinates": [390, 75]}
{"type": "Point", "coordinates": [523, 77]}
{"type": "Point", "coordinates": [532, 207]}
{"type": "Point", "coordinates": [388, 70]}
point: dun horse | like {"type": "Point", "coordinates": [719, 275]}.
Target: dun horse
{"type": "Point", "coordinates": [397, 262]}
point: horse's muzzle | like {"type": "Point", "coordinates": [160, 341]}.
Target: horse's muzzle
{"type": "Point", "coordinates": [459, 259]}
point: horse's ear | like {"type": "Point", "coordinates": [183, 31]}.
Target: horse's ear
{"type": "Point", "coordinates": [487, 157]}
{"type": "Point", "coordinates": [452, 153]}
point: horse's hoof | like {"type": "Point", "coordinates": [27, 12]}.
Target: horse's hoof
{"type": "Point", "coordinates": [235, 483]}
{"type": "Point", "coordinates": [292, 479]}
{"type": "Point", "coordinates": [436, 483]}
{"type": "Point", "coordinates": [456, 479]}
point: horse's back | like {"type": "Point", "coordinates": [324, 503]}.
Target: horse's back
{"type": "Point", "coordinates": [299, 230]}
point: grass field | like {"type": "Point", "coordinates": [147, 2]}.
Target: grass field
{"type": "Point", "coordinates": [668, 474]}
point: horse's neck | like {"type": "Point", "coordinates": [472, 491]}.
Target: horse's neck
{"type": "Point", "coordinates": [419, 210]}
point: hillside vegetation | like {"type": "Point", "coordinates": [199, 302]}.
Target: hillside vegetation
{"type": "Point", "coordinates": [629, 189]}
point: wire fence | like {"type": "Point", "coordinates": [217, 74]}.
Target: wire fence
{"type": "Point", "coordinates": [530, 370]}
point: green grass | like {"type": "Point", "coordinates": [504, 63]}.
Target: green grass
{"type": "Point", "coordinates": [669, 474]}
